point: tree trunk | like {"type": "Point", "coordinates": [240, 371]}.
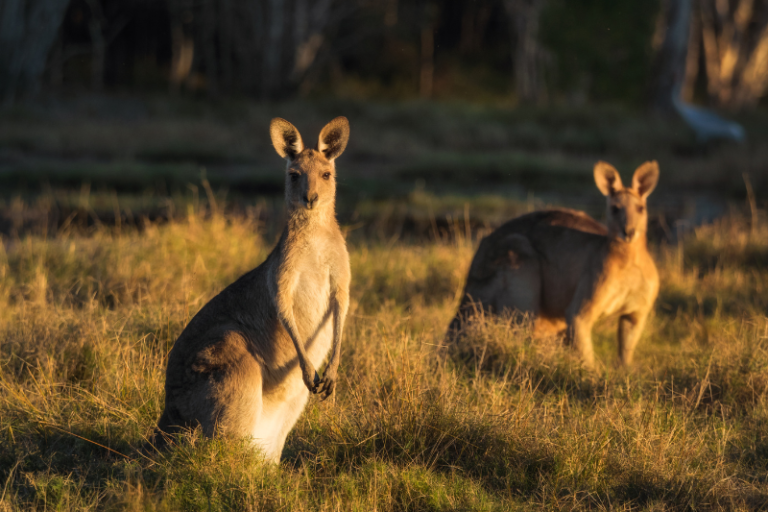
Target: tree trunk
{"type": "Point", "coordinates": [273, 53]}
{"type": "Point", "coordinates": [210, 57]}
{"type": "Point", "coordinates": [736, 51]}
{"type": "Point", "coordinates": [390, 14]}
{"type": "Point", "coordinates": [524, 20]}
{"type": "Point", "coordinates": [308, 28]}
{"type": "Point", "coordinates": [754, 81]}
{"type": "Point", "coordinates": [692, 59]}
{"type": "Point", "coordinates": [429, 19]}
{"type": "Point", "coordinates": [28, 29]}
{"type": "Point", "coordinates": [247, 45]}
{"type": "Point", "coordinates": [670, 65]}
{"type": "Point", "coordinates": [182, 55]}
{"type": "Point", "coordinates": [731, 44]}
{"type": "Point", "coordinates": [427, 72]}
{"type": "Point", "coordinates": [96, 25]}
{"type": "Point", "coordinates": [226, 35]}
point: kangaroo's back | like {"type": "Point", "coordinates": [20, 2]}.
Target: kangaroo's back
{"type": "Point", "coordinates": [541, 228]}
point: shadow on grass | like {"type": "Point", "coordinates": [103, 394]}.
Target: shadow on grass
{"type": "Point", "coordinates": [730, 384]}
{"type": "Point", "coordinates": [433, 436]}
{"type": "Point", "coordinates": [511, 465]}
{"type": "Point", "coordinates": [644, 488]}
{"type": "Point", "coordinates": [504, 347]}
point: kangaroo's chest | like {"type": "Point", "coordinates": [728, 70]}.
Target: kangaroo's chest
{"type": "Point", "coordinates": [312, 295]}
{"type": "Point", "coordinates": [312, 307]}
{"type": "Point", "coordinates": [632, 290]}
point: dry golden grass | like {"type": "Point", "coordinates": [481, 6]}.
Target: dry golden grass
{"type": "Point", "coordinates": [500, 422]}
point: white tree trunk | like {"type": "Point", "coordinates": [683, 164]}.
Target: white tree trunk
{"type": "Point", "coordinates": [273, 53]}
{"type": "Point", "coordinates": [670, 65]}
{"type": "Point", "coordinates": [524, 20]}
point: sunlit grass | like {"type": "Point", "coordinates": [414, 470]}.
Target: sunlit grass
{"type": "Point", "coordinates": [499, 422]}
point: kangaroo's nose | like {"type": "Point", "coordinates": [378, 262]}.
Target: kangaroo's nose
{"type": "Point", "coordinates": [629, 233]}
{"type": "Point", "coordinates": [310, 200]}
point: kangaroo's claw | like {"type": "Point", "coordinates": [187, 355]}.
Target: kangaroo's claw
{"type": "Point", "coordinates": [326, 387]}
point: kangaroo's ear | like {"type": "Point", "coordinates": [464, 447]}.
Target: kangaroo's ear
{"type": "Point", "coordinates": [607, 178]}
{"type": "Point", "coordinates": [285, 138]}
{"type": "Point", "coordinates": [645, 178]}
{"type": "Point", "coordinates": [333, 138]}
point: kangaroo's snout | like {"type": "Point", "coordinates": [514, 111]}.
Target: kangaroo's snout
{"type": "Point", "coordinates": [309, 200]}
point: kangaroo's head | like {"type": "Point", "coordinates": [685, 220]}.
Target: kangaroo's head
{"type": "Point", "coordinates": [310, 180]}
{"type": "Point", "coordinates": [627, 216]}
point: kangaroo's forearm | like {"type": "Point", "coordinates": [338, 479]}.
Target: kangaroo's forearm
{"type": "Point", "coordinates": [338, 329]}
{"type": "Point", "coordinates": [287, 320]}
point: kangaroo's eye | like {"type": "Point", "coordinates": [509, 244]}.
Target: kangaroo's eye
{"type": "Point", "coordinates": [294, 177]}
{"type": "Point", "coordinates": [615, 210]}
{"type": "Point", "coordinates": [640, 209]}
{"type": "Point", "coordinates": [327, 176]}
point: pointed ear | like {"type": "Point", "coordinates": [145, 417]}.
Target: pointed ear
{"type": "Point", "coordinates": [645, 178]}
{"type": "Point", "coordinates": [285, 138]}
{"type": "Point", "coordinates": [333, 138]}
{"type": "Point", "coordinates": [607, 178]}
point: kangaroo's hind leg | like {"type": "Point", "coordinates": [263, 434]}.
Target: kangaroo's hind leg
{"type": "Point", "coordinates": [218, 386]}
{"type": "Point", "coordinates": [506, 276]}
{"type": "Point", "coordinates": [518, 277]}
{"type": "Point", "coordinates": [278, 419]}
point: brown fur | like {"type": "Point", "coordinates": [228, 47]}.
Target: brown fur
{"type": "Point", "coordinates": [567, 270]}
{"type": "Point", "coordinates": [245, 364]}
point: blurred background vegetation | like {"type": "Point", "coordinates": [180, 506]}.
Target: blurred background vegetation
{"type": "Point", "coordinates": [508, 51]}
{"type": "Point", "coordinates": [494, 105]}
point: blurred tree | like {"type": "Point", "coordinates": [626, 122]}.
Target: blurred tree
{"type": "Point", "coordinates": [427, 74]}
{"type": "Point", "coordinates": [474, 22]}
{"type": "Point", "coordinates": [102, 43]}
{"type": "Point", "coordinates": [527, 53]}
{"type": "Point", "coordinates": [668, 71]}
{"type": "Point", "coordinates": [183, 46]}
{"type": "Point", "coordinates": [28, 29]}
{"type": "Point", "coordinates": [472, 49]}
{"type": "Point", "coordinates": [734, 37]}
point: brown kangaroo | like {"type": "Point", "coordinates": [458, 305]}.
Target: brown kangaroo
{"type": "Point", "coordinates": [567, 270]}
{"type": "Point", "coordinates": [245, 364]}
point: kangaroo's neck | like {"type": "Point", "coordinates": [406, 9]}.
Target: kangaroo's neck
{"type": "Point", "coordinates": [629, 250]}
{"type": "Point", "coordinates": [305, 227]}
{"type": "Point", "coordinates": [304, 222]}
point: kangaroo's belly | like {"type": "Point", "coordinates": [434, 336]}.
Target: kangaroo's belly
{"type": "Point", "coordinates": [313, 312]}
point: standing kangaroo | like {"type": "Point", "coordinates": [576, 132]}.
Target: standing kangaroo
{"type": "Point", "coordinates": [245, 364]}
{"type": "Point", "coordinates": [567, 270]}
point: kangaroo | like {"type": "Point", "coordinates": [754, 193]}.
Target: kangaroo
{"type": "Point", "coordinates": [245, 364]}
{"type": "Point", "coordinates": [567, 270]}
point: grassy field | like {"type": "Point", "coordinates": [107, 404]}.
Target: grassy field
{"type": "Point", "coordinates": [501, 422]}
{"type": "Point", "coordinates": [111, 242]}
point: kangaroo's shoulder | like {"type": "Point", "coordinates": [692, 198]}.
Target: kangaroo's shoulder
{"type": "Point", "coordinates": [237, 300]}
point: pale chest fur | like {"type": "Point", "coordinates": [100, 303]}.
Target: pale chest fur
{"type": "Point", "coordinates": [312, 307]}
{"type": "Point", "coordinates": [633, 284]}
{"type": "Point", "coordinates": [313, 263]}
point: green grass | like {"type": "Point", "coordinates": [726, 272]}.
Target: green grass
{"type": "Point", "coordinates": [501, 422]}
